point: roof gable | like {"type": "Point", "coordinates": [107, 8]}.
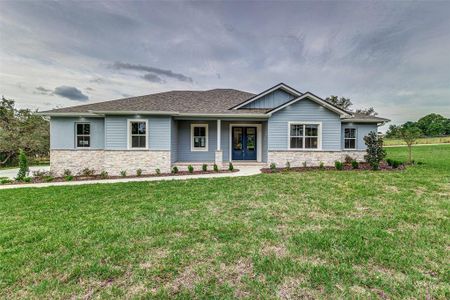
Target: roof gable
{"type": "Point", "coordinates": [316, 99]}
{"type": "Point", "coordinates": [280, 86]}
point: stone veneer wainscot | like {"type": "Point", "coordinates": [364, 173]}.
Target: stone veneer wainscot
{"type": "Point", "coordinates": [111, 161]}
{"type": "Point", "coordinates": [312, 158]}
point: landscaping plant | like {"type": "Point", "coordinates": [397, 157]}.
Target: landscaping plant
{"type": "Point", "coordinates": [23, 166]}
{"type": "Point", "coordinates": [273, 167]}
{"type": "Point", "coordinates": [215, 168]}
{"type": "Point", "coordinates": [409, 134]}
{"type": "Point", "coordinates": [158, 171]}
{"type": "Point", "coordinates": [375, 152]}
{"type": "Point", "coordinates": [191, 169]}
{"type": "Point", "coordinates": [355, 164]}
{"type": "Point", "coordinates": [123, 173]}
{"type": "Point", "coordinates": [205, 167]}
{"type": "Point", "coordinates": [139, 172]}
{"type": "Point", "coordinates": [104, 174]}
{"type": "Point", "coordinates": [338, 165]}
{"type": "Point", "coordinates": [175, 170]}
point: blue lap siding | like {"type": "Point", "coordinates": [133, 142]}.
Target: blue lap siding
{"type": "Point", "coordinates": [62, 132]}
{"type": "Point", "coordinates": [304, 111]}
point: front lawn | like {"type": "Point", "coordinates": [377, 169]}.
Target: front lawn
{"type": "Point", "coordinates": [286, 235]}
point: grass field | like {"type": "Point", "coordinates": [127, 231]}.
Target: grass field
{"type": "Point", "coordinates": [420, 141]}
{"type": "Point", "coordinates": [322, 234]}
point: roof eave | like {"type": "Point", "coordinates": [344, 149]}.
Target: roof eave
{"type": "Point", "coordinates": [68, 114]}
{"type": "Point", "coordinates": [133, 112]}
{"type": "Point", "coordinates": [265, 116]}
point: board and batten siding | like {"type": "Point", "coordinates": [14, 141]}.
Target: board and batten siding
{"type": "Point", "coordinates": [304, 111]}
{"type": "Point", "coordinates": [361, 131]}
{"type": "Point", "coordinates": [274, 99]}
{"type": "Point", "coordinates": [62, 132]}
{"type": "Point", "coordinates": [158, 133]}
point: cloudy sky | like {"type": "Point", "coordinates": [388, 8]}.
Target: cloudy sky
{"type": "Point", "coordinates": [394, 56]}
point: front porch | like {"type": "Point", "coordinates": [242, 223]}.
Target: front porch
{"type": "Point", "coordinates": [218, 141]}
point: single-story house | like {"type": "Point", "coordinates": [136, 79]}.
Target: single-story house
{"type": "Point", "coordinates": [159, 131]}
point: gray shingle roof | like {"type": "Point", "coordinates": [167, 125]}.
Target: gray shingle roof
{"type": "Point", "coordinates": [211, 101]}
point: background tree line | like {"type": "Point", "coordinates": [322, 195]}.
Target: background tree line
{"type": "Point", "coordinates": [431, 125]}
{"type": "Point", "coordinates": [22, 129]}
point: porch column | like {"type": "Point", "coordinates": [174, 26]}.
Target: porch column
{"type": "Point", "coordinates": [219, 153]}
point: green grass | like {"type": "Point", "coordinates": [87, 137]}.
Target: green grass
{"type": "Point", "coordinates": [420, 141]}
{"type": "Point", "coordinates": [322, 234]}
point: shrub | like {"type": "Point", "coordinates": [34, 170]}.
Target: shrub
{"type": "Point", "coordinates": [288, 165]}
{"type": "Point", "coordinates": [41, 174]}
{"type": "Point", "coordinates": [27, 179]}
{"type": "Point", "coordinates": [123, 173]}
{"type": "Point", "coordinates": [348, 159]}
{"type": "Point", "coordinates": [23, 166]}
{"type": "Point", "coordinates": [67, 172]}
{"type": "Point", "coordinates": [338, 165]}
{"type": "Point", "coordinates": [191, 169]}
{"type": "Point", "coordinates": [321, 165]}
{"type": "Point", "coordinates": [230, 167]}
{"type": "Point", "coordinates": [304, 164]}
{"type": "Point", "coordinates": [216, 168]}
{"type": "Point", "coordinates": [205, 167]}
{"type": "Point", "coordinates": [389, 161]}
{"type": "Point", "coordinates": [175, 170]}
{"type": "Point", "coordinates": [48, 178]}
{"type": "Point", "coordinates": [273, 166]}
{"type": "Point", "coordinates": [139, 172]}
{"type": "Point", "coordinates": [87, 172]}
{"type": "Point", "coordinates": [375, 151]}
{"type": "Point", "coordinates": [355, 164]}
{"type": "Point", "coordinates": [5, 180]}
{"type": "Point", "coordinates": [104, 174]}
{"type": "Point", "coordinates": [420, 163]}
{"type": "Point", "coordinates": [158, 171]}
{"type": "Point", "coordinates": [396, 164]}
{"type": "Point", "coordinates": [68, 178]}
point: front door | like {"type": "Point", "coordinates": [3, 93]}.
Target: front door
{"type": "Point", "coordinates": [244, 143]}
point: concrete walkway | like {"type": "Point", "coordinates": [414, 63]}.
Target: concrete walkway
{"type": "Point", "coordinates": [12, 173]}
{"type": "Point", "coordinates": [243, 171]}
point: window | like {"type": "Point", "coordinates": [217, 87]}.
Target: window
{"type": "Point", "coordinates": [303, 136]}
{"type": "Point", "coordinates": [83, 135]}
{"type": "Point", "coordinates": [199, 137]}
{"type": "Point", "coordinates": [138, 134]}
{"type": "Point", "coordinates": [349, 138]}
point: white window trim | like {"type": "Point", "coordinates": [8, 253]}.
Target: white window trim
{"type": "Point", "coordinates": [90, 135]}
{"type": "Point", "coordinates": [258, 140]}
{"type": "Point", "coordinates": [194, 149]}
{"type": "Point", "coordinates": [355, 138]}
{"type": "Point", "coordinates": [129, 133]}
{"type": "Point", "coordinates": [319, 136]}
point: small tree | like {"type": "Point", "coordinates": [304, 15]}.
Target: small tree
{"type": "Point", "coordinates": [375, 151]}
{"type": "Point", "coordinates": [23, 166]}
{"type": "Point", "coordinates": [410, 135]}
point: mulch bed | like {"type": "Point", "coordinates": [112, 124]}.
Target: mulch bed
{"type": "Point", "coordinates": [363, 166]}
{"type": "Point", "coordinates": [98, 177]}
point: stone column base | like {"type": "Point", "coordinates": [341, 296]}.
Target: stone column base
{"type": "Point", "coordinates": [219, 157]}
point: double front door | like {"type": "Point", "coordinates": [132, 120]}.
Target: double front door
{"type": "Point", "coordinates": [244, 143]}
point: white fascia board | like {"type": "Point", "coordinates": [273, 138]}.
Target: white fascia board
{"type": "Point", "coordinates": [265, 116]}
{"type": "Point", "coordinates": [135, 112]}
{"type": "Point", "coordinates": [72, 114]}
